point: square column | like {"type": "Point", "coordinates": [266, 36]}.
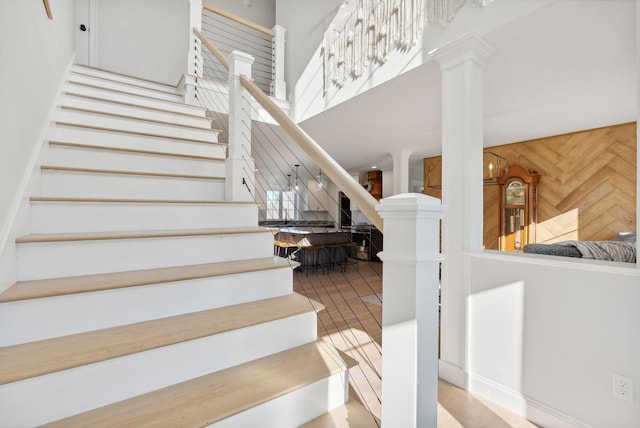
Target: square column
{"type": "Point", "coordinates": [240, 166]}
{"type": "Point", "coordinates": [194, 56]}
{"type": "Point", "coordinates": [461, 64]}
{"type": "Point", "coordinates": [401, 171]}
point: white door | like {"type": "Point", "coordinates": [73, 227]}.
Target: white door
{"type": "Point", "coordinates": [86, 32]}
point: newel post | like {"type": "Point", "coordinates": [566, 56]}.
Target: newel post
{"type": "Point", "coordinates": [240, 176]}
{"type": "Point", "coordinates": [194, 57]}
{"type": "Point", "coordinates": [411, 259]}
{"type": "Point", "coordinates": [278, 84]}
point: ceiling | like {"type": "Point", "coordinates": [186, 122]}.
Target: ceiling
{"type": "Point", "coordinates": [566, 67]}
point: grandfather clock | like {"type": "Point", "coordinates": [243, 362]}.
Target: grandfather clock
{"type": "Point", "coordinates": [518, 207]}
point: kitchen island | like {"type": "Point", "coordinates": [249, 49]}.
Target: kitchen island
{"type": "Point", "coordinates": [314, 248]}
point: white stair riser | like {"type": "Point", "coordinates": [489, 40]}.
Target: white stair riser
{"type": "Point", "coordinates": [81, 157]}
{"type": "Point", "coordinates": [295, 408]}
{"type": "Point", "coordinates": [138, 112]}
{"type": "Point", "coordinates": [50, 397]}
{"type": "Point", "coordinates": [38, 319]}
{"type": "Point", "coordinates": [62, 259]}
{"type": "Point", "coordinates": [83, 118]}
{"type": "Point", "coordinates": [130, 89]}
{"type": "Point", "coordinates": [138, 100]}
{"type": "Point", "coordinates": [75, 134]}
{"type": "Point", "coordinates": [124, 79]}
{"type": "Point", "coordinates": [107, 185]}
{"type": "Point", "coordinates": [65, 217]}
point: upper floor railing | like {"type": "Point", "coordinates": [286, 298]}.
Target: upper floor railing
{"type": "Point", "coordinates": [231, 32]}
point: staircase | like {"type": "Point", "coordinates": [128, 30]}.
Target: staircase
{"type": "Point", "coordinates": [143, 298]}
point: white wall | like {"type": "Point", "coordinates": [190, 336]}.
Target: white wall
{"type": "Point", "coordinates": [144, 38]}
{"type": "Point", "coordinates": [34, 55]}
{"type": "Point", "coordinates": [262, 12]}
{"type": "Point", "coordinates": [305, 22]}
{"type": "Point", "coordinates": [546, 337]}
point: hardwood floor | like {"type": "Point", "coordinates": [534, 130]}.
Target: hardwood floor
{"type": "Point", "coordinates": [353, 325]}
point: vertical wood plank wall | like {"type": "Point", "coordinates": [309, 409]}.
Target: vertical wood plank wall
{"type": "Point", "coordinates": [587, 184]}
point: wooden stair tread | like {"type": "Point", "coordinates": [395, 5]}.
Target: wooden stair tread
{"type": "Point", "coordinates": [91, 236]}
{"type": "Point", "coordinates": [36, 289]}
{"type": "Point", "coordinates": [24, 361]}
{"type": "Point", "coordinates": [70, 93]}
{"type": "Point", "coordinates": [131, 94]}
{"type": "Point", "coordinates": [136, 151]}
{"type": "Point", "coordinates": [169, 90]}
{"type": "Point", "coordinates": [137, 200]}
{"type": "Point", "coordinates": [117, 73]}
{"type": "Point", "coordinates": [143, 134]}
{"type": "Point", "coordinates": [214, 397]}
{"type": "Point", "coordinates": [134, 118]}
{"type": "Point", "coordinates": [352, 414]}
{"type": "Point", "coordinates": [121, 172]}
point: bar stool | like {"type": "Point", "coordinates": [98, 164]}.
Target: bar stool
{"type": "Point", "coordinates": [311, 257]}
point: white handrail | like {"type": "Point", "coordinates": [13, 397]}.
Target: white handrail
{"type": "Point", "coordinates": [354, 191]}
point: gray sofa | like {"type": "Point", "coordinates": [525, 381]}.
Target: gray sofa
{"type": "Point", "coordinates": [623, 249]}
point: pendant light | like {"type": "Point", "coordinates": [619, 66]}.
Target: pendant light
{"type": "Point", "coordinates": [320, 180]}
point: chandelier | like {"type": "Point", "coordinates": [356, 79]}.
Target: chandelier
{"type": "Point", "coordinates": [366, 31]}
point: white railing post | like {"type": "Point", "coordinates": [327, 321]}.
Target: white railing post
{"type": "Point", "coordinates": [410, 309]}
{"type": "Point", "coordinates": [194, 58]}
{"type": "Point", "coordinates": [240, 175]}
{"type": "Point", "coordinates": [278, 85]}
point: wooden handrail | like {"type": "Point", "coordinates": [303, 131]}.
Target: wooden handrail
{"type": "Point", "coordinates": [214, 50]}
{"type": "Point", "coordinates": [366, 203]}
{"type": "Point", "coordinates": [331, 168]}
{"type": "Point", "coordinates": [239, 20]}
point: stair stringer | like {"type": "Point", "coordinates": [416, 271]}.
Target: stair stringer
{"type": "Point", "coordinates": [18, 221]}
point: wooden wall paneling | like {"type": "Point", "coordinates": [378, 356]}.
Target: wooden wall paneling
{"type": "Point", "coordinates": [433, 177]}
{"type": "Point", "coordinates": [587, 184]}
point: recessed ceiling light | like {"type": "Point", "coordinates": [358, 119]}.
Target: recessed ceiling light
{"type": "Point", "coordinates": [374, 167]}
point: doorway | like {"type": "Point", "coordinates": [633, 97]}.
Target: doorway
{"type": "Point", "coordinates": [86, 32]}
{"type": "Point", "coordinates": [345, 211]}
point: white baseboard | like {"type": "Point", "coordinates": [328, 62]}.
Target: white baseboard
{"type": "Point", "coordinates": [519, 404]}
{"type": "Point", "coordinates": [453, 374]}
{"type": "Point", "coordinates": [508, 398]}
{"type": "Point", "coordinates": [17, 221]}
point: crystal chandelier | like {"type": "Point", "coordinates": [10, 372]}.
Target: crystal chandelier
{"type": "Point", "coordinates": [366, 31]}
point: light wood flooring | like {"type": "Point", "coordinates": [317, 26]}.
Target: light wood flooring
{"type": "Point", "coordinates": [354, 326]}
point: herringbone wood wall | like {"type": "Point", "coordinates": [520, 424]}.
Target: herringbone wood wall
{"type": "Point", "coordinates": [587, 184]}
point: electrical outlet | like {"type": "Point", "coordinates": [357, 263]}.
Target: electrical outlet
{"type": "Point", "coordinates": [622, 387]}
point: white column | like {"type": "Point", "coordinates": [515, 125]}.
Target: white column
{"type": "Point", "coordinates": [240, 175]}
{"type": "Point", "coordinates": [194, 57]}
{"type": "Point", "coordinates": [461, 64]}
{"type": "Point", "coordinates": [401, 171]}
{"type": "Point", "coordinates": [278, 85]}
{"type": "Point", "coordinates": [410, 310]}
